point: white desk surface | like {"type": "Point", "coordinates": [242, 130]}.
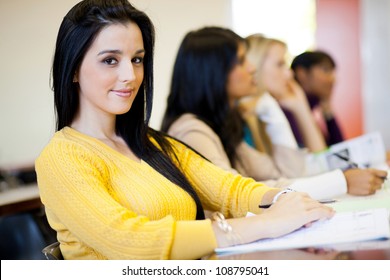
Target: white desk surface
{"type": "Point", "coordinates": [19, 194]}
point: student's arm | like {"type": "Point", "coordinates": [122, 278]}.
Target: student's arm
{"type": "Point", "coordinates": [296, 102]}
{"type": "Point", "coordinates": [234, 196]}
{"type": "Point", "coordinates": [277, 126]}
{"type": "Point", "coordinates": [199, 136]}
{"type": "Point", "coordinates": [287, 162]}
{"type": "Point", "coordinates": [219, 190]}
{"type": "Point", "coordinates": [323, 186]}
{"type": "Point", "coordinates": [266, 109]}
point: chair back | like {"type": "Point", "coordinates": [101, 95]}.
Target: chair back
{"type": "Point", "coordinates": [53, 251]}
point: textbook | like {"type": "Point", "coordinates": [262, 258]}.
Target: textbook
{"type": "Point", "coordinates": [344, 227]}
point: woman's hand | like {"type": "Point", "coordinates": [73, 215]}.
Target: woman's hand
{"type": "Point", "coordinates": [292, 210]}
{"type": "Point", "coordinates": [294, 98]}
{"type": "Point", "coordinates": [364, 181]}
{"type": "Point", "coordinates": [296, 102]}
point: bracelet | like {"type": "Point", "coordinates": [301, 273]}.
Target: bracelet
{"type": "Point", "coordinates": [233, 237]}
{"type": "Point", "coordinates": [276, 197]}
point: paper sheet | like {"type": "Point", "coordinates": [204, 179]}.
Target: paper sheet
{"type": "Point", "coordinates": [342, 228]}
{"type": "Point", "coordinates": [367, 150]}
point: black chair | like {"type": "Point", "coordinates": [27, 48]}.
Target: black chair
{"type": "Point", "coordinates": [53, 251]}
{"type": "Point", "coordinates": [21, 238]}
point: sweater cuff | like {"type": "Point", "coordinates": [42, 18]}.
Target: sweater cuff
{"type": "Point", "coordinates": [193, 240]}
{"type": "Point", "coordinates": [256, 198]}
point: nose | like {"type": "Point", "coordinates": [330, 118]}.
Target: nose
{"type": "Point", "coordinates": [126, 72]}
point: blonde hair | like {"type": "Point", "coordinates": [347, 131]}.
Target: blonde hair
{"type": "Point", "coordinates": [258, 47]}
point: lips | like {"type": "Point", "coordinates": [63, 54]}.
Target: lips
{"type": "Point", "coordinates": [123, 92]}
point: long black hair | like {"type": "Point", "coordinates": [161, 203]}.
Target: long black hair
{"type": "Point", "coordinates": [77, 32]}
{"type": "Point", "coordinates": [198, 86]}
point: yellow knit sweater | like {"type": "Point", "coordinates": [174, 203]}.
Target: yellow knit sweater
{"type": "Point", "coordinates": [104, 205]}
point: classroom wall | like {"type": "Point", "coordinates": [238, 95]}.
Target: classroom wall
{"type": "Point", "coordinates": [27, 36]}
{"type": "Point", "coordinates": [375, 55]}
{"type": "Point", "coordinates": [338, 33]}
{"type": "Point", "coordinates": [357, 34]}
{"type": "Point", "coordinates": [28, 31]}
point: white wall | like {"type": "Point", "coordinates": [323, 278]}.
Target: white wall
{"type": "Point", "coordinates": [375, 40]}
{"type": "Point", "coordinates": [27, 36]}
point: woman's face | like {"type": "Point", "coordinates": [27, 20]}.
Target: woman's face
{"type": "Point", "coordinates": [274, 73]}
{"type": "Point", "coordinates": [241, 81]}
{"type": "Point", "coordinates": [111, 71]}
{"type": "Point", "coordinates": [320, 80]}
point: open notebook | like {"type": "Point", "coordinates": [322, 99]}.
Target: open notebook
{"type": "Point", "coordinates": [343, 227]}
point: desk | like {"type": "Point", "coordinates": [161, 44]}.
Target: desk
{"type": "Point", "coordinates": [305, 255]}
{"type": "Point", "coordinates": [378, 251]}
{"type": "Point", "coordinates": [369, 250]}
{"type": "Point", "coordinates": [19, 199]}
{"type": "Point", "coordinates": [381, 199]}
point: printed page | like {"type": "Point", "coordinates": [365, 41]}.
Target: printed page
{"type": "Point", "coordinates": [365, 151]}
{"type": "Point", "coordinates": [342, 228]}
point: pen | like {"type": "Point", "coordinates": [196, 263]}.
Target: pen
{"type": "Point", "coordinates": [323, 201]}
{"type": "Point", "coordinates": [354, 164]}
{"type": "Point", "coordinates": [346, 159]}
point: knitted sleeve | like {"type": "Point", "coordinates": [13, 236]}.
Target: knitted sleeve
{"type": "Point", "coordinates": [219, 190]}
{"type": "Point", "coordinates": [84, 210]}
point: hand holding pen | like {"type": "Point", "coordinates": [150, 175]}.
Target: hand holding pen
{"type": "Point", "coordinates": [364, 181]}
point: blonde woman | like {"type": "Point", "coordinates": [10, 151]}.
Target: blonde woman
{"type": "Point", "coordinates": [275, 78]}
{"type": "Point", "coordinates": [277, 89]}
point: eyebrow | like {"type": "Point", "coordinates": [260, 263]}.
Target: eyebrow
{"type": "Point", "coordinates": [118, 52]}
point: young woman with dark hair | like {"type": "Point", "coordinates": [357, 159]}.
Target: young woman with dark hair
{"type": "Point", "coordinates": [204, 109]}
{"type": "Point", "coordinates": [199, 88]}
{"type": "Point", "coordinates": [113, 188]}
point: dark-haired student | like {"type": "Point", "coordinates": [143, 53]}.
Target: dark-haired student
{"type": "Point", "coordinates": [202, 111]}
{"type": "Point", "coordinates": [315, 72]}
{"type": "Point", "coordinates": [113, 188]}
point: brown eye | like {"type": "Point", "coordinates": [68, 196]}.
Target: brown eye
{"type": "Point", "coordinates": [110, 61]}
{"type": "Point", "coordinates": [138, 60]}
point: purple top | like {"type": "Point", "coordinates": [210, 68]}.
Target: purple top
{"type": "Point", "coordinates": [334, 132]}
